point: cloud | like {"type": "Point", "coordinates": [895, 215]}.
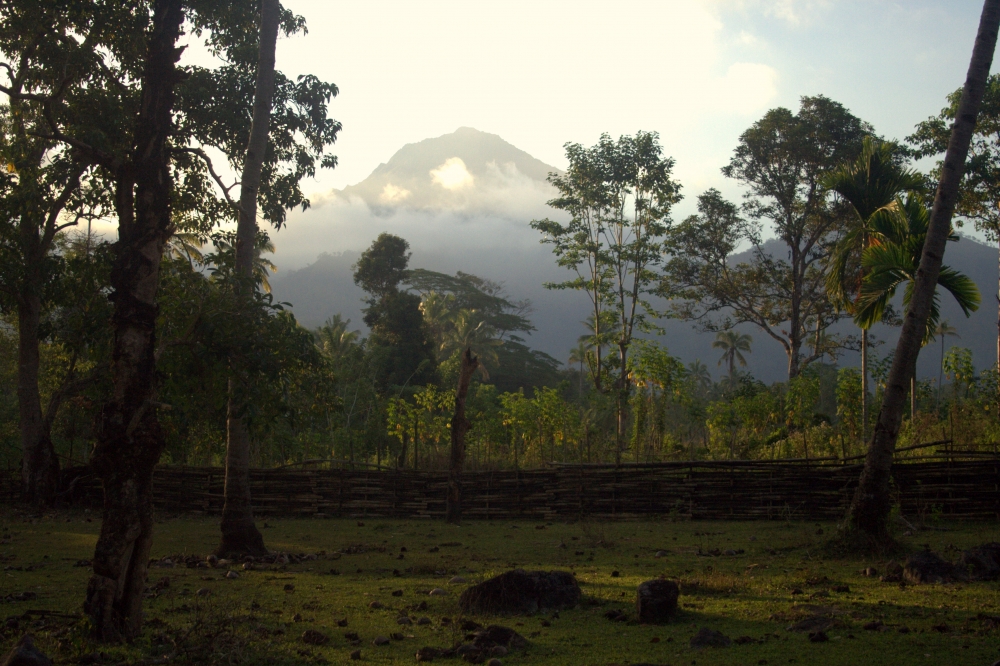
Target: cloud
{"type": "Point", "coordinates": [452, 175]}
{"type": "Point", "coordinates": [392, 194]}
{"type": "Point", "coordinates": [748, 87]}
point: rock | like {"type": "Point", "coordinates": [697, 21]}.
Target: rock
{"type": "Point", "coordinates": [870, 572]}
{"type": "Point", "coordinates": [424, 621]}
{"type": "Point", "coordinates": [380, 640]}
{"type": "Point", "coordinates": [397, 593]}
{"type": "Point", "coordinates": [616, 616]}
{"type": "Point", "coordinates": [212, 561]}
{"type": "Point", "coordinates": [818, 637]}
{"type": "Point", "coordinates": [811, 624]}
{"type": "Point", "coordinates": [521, 592]}
{"type": "Point", "coordinates": [297, 617]}
{"type": "Point", "coordinates": [396, 636]}
{"type": "Point", "coordinates": [437, 592]}
{"type": "Point", "coordinates": [927, 567]}
{"type": "Point", "coordinates": [496, 636]}
{"type": "Point", "coordinates": [376, 605]}
{"type": "Point", "coordinates": [615, 574]}
{"type": "Point", "coordinates": [289, 587]}
{"type": "Point", "coordinates": [494, 662]}
{"type": "Point", "coordinates": [342, 623]}
{"type": "Point", "coordinates": [232, 575]}
{"type": "Point", "coordinates": [468, 648]}
{"type": "Point", "coordinates": [660, 553]}
{"type": "Point", "coordinates": [709, 638]}
{"type": "Point", "coordinates": [356, 654]}
{"type": "Point", "coordinates": [313, 637]}
{"type": "Point", "coordinates": [427, 654]}
{"type": "Point", "coordinates": [404, 620]}
{"type": "Point", "coordinates": [656, 601]}
{"type": "Point", "coordinates": [874, 625]}
{"type": "Point", "coordinates": [26, 654]}
{"type": "Point", "coordinates": [983, 562]}
{"type": "Point", "coordinates": [470, 625]}
{"type": "Point", "coordinates": [203, 592]}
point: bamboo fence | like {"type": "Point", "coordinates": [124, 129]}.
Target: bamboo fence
{"type": "Point", "coordinates": [737, 490]}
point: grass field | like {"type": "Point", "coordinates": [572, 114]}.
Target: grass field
{"type": "Point", "coordinates": [780, 575]}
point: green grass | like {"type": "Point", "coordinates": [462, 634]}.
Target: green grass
{"type": "Point", "coordinates": [252, 619]}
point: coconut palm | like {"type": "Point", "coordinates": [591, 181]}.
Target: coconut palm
{"type": "Point", "coordinates": [579, 355]}
{"type": "Point", "coordinates": [334, 338]}
{"type": "Point", "coordinates": [469, 331]}
{"type": "Point", "coordinates": [732, 345]}
{"type": "Point", "coordinates": [699, 374]}
{"type": "Point", "coordinates": [184, 245]}
{"type": "Point", "coordinates": [942, 330]}
{"type": "Point", "coordinates": [870, 185]}
{"type": "Point", "coordinates": [261, 265]}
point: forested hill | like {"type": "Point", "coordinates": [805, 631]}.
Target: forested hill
{"type": "Point", "coordinates": [472, 215]}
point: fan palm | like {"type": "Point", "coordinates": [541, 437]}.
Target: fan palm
{"type": "Point", "coordinates": [871, 185]}
{"type": "Point", "coordinates": [732, 345]}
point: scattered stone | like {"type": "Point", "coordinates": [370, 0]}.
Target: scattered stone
{"type": "Point", "coordinates": [468, 648]}
{"type": "Point", "coordinates": [744, 640]}
{"type": "Point", "coordinates": [710, 638]}
{"type": "Point", "coordinates": [470, 625]}
{"type": "Point", "coordinates": [870, 572]}
{"type": "Point", "coordinates": [753, 538]}
{"type": "Point", "coordinates": [438, 592]}
{"type": "Point", "coordinates": [297, 617]}
{"type": "Point", "coordinates": [247, 566]}
{"type": "Point", "coordinates": [927, 567]}
{"type": "Point", "coordinates": [397, 593]}
{"type": "Point", "coordinates": [498, 651]}
{"type": "Point", "coordinates": [521, 592]}
{"type": "Point", "coordinates": [203, 592]}
{"type": "Point", "coordinates": [498, 639]}
{"type": "Point", "coordinates": [232, 575]}
{"type": "Point", "coordinates": [396, 636]}
{"type": "Point", "coordinates": [983, 562]}
{"type": "Point", "coordinates": [356, 655]}
{"type": "Point", "coordinates": [212, 560]}
{"type": "Point", "coordinates": [427, 654]}
{"type": "Point", "coordinates": [376, 605]}
{"type": "Point", "coordinates": [404, 620]}
{"type": "Point", "coordinates": [494, 662]}
{"type": "Point", "coordinates": [615, 574]}
{"type": "Point", "coordinates": [874, 625]}
{"type": "Point", "coordinates": [616, 616]}
{"type": "Point", "coordinates": [457, 580]}
{"type": "Point", "coordinates": [818, 637]}
{"type": "Point", "coordinates": [313, 637]}
{"type": "Point", "coordinates": [904, 630]}
{"type": "Point", "coordinates": [352, 636]}
{"type": "Point", "coordinates": [289, 587]}
{"type": "Point", "coordinates": [796, 591]}
{"type": "Point", "coordinates": [423, 621]}
{"type": "Point", "coordinates": [841, 589]}
{"type": "Point", "coordinates": [334, 572]}
{"type": "Point", "coordinates": [342, 623]}
{"type": "Point", "coordinates": [26, 654]}
{"type": "Point", "coordinates": [661, 553]}
{"type": "Point", "coordinates": [656, 601]}
{"type": "Point", "coordinates": [811, 624]}
{"type": "Point", "coordinates": [941, 628]}
{"type": "Point", "coordinates": [380, 640]}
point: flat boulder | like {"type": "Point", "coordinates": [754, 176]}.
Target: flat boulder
{"type": "Point", "coordinates": [521, 592]}
{"type": "Point", "coordinates": [656, 601]}
{"type": "Point", "coordinates": [26, 654]}
{"type": "Point", "coordinates": [982, 562]}
{"type": "Point", "coordinates": [927, 567]}
{"type": "Point", "coordinates": [495, 635]}
{"type": "Point", "coordinates": [710, 638]}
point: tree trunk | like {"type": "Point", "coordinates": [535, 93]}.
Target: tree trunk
{"type": "Point", "coordinates": [864, 385]}
{"type": "Point", "coordinates": [868, 515]}
{"type": "Point", "coordinates": [39, 464]}
{"type": "Point", "coordinates": [459, 427]}
{"type": "Point", "coordinates": [998, 325]}
{"type": "Point", "coordinates": [129, 439]}
{"type": "Point", "coordinates": [239, 533]}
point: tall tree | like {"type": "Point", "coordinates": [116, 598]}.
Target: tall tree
{"type": "Point", "coordinates": [868, 515]}
{"type": "Point", "coordinates": [45, 189]}
{"type": "Point", "coordinates": [942, 331]}
{"type": "Point", "coordinates": [239, 533]}
{"type": "Point", "coordinates": [618, 195]}
{"type": "Point", "coordinates": [460, 426]}
{"type": "Point", "coordinates": [979, 192]}
{"type": "Point", "coordinates": [870, 185]}
{"type": "Point", "coordinates": [781, 160]}
{"type": "Point", "coordinates": [733, 345]}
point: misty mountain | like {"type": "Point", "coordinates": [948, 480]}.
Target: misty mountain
{"type": "Point", "coordinates": [464, 202]}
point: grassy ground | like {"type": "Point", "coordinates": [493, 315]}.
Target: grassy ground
{"type": "Point", "coordinates": [781, 575]}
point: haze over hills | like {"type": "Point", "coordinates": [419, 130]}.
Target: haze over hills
{"type": "Point", "coordinates": [464, 201]}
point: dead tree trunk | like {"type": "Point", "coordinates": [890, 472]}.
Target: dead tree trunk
{"type": "Point", "coordinates": [459, 427]}
{"type": "Point", "coordinates": [239, 533]}
{"type": "Point", "coordinates": [129, 439]}
{"type": "Point", "coordinates": [868, 515]}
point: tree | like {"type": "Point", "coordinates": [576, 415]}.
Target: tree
{"type": "Point", "coordinates": [979, 193]}
{"type": "Point", "coordinates": [871, 186]}
{"type": "Point", "coordinates": [868, 515]}
{"type": "Point", "coordinates": [733, 345]}
{"type": "Point", "coordinates": [781, 160]}
{"type": "Point", "coordinates": [618, 196]}
{"type": "Point", "coordinates": [942, 330]}
{"type": "Point", "coordinates": [459, 428]}
{"type": "Point", "coordinates": [45, 189]}
{"type": "Point", "coordinates": [400, 341]}
{"type": "Point", "coordinates": [579, 354]}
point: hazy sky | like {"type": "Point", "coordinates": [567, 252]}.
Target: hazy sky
{"type": "Point", "coordinates": [541, 73]}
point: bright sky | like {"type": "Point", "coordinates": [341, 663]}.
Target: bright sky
{"type": "Point", "coordinates": [543, 72]}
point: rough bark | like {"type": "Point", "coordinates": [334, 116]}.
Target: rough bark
{"type": "Point", "coordinates": [868, 516]}
{"type": "Point", "coordinates": [864, 385]}
{"type": "Point", "coordinates": [459, 427]}
{"type": "Point", "coordinates": [129, 439]}
{"type": "Point", "coordinates": [39, 464]}
{"type": "Point", "coordinates": [239, 533]}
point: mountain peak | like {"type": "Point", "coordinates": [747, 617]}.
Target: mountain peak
{"type": "Point", "coordinates": [467, 170]}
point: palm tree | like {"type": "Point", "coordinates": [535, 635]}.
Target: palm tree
{"type": "Point", "coordinates": [261, 266]}
{"type": "Point", "coordinates": [942, 330]}
{"type": "Point", "coordinates": [334, 338]}
{"type": "Point", "coordinates": [732, 345]}
{"type": "Point", "coordinates": [579, 354]}
{"type": "Point", "coordinates": [698, 372]}
{"type": "Point", "coordinates": [468, 331]}
{"type": "Point", "coordinates": [870, 185]}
